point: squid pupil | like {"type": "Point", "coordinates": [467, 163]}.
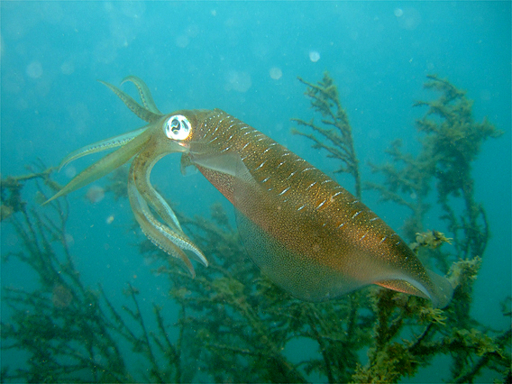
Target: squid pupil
{"type": "Point", "coordinates": [175, 126]}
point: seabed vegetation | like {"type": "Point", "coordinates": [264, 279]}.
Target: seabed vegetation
{"type": "Point", "coordinates": [234, 325]}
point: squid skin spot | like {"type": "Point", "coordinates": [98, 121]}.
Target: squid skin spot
{"type": "Point", "coordinates": [322, 203]}
{"type": "Point", "coordinates": [291, 174]}
{"type": "Point", "coordinates": [341, 225]}
{"type": "Point", "coordinates": [284, 191]}
{"type": "Point", "coordinates": [302, 206]}
{"type": "Point", "coordinates": [261, 165]}
{"type": "Point", "coordinates": [382, 240]}
{"type": "Point", "coordinates": [355, 214]}
{"type": "Point", "coordinates": [375, 218]}
{"type": "Point", "coordinates": [310, 185]}
{"type": "Point", "coordinates": [265, 180]}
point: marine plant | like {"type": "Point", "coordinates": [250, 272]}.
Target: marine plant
{"type": "Point", "coordinates": [334, 127]}
{"type": "Point", "coordinates": [233, 324]}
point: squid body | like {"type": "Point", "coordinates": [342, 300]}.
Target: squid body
{"type": "Point", "coordinates": [306, 233]}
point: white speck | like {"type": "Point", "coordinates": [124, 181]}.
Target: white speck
{"type": "Point", "coordinates": [398, 12]}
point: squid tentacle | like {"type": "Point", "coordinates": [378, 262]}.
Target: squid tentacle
{"type": "Point", "coordinates": [144, 93]}
{"type": "Point", "coordinates": [171, 241]}
{"type": "Point", "coordinates": [161, 207]}
{"type": "Point", "coordinates": [156, 201]}
{"type": "Point", "coordinates": [103, 145]}
{"type": "Point", "coordinates": [141, 112]}
{"type": "Point", "coordinates": [152, 229]}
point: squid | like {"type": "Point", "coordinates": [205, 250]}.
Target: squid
{"type": "Point", "coordinates": [306, 233]}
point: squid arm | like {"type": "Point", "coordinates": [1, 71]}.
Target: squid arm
{"type": "Point", "coordinates": [106, 165]}
{"type": "Point", "coordinates": [103, 145]}
{"type": "Point", "coordinates": [144, 93]}
{"type": "Point", "coordinates": [141, 112]}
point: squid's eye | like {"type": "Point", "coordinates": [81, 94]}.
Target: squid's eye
{"type": "Point", "coordinates": [177, 127]}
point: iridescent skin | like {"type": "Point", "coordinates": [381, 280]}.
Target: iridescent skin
{"type": "Point", "coordinates": [306, 232]}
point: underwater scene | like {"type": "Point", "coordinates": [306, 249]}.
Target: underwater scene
{"type": "Point", "coordinates": [287, 192]}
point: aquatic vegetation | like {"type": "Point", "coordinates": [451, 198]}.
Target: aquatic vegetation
{"type": "Point", "coordinates": [335, 130]}
{"type": "Point", "coordinates": [71, 333]}
{"type": "Point", "coordinates": [235, 325]}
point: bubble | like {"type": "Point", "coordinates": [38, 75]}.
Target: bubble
{"type": "Point", "coordinates": [67, 68]}
{"type": "Point", "coordinates": [193, 30]}
{"type": "Point", "coordinates": [398, 12]}
{"type": "Point", "coordinates": [110, 219]}
{"type": "Point", "coordinates": [70, 240]}
{"type": "Point", "coordinates": [275, 73]}
{"type": "Point", "coordinates": [133, 9]}
{"type": "Point", "coordinates": [238, 81]}
{"type": "Point", "coordinates": [410, 19]}
{"type": "Point", "coordinates": [61, 296]}
{"type": "Point", "coordinates": [35, 70]}
{"type": "Point", "coordinates": [182, 41]}
{"type": "Point", "coordinates": [70, 171]}
{"type": "Point", "coordinates": [98, 359]}
{"type": "Point", "coordinates": [95, 194]}
{"type": "Point", "coordinates": [314, 56]}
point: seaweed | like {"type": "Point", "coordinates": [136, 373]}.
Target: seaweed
{"type": "Point", "coordinates": [233, 324]}
{"type": "Point", "coordinates": [71, 333]}
{"type": "Point", "coordinates": [335, 130]}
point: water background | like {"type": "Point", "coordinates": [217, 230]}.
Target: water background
{"type": "Point", "coordinates": [244, 57]}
